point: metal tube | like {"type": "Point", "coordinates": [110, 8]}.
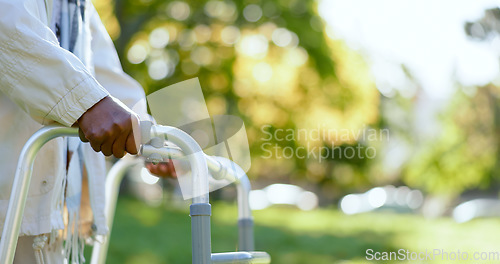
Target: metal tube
{"type": "Point", "coordinates": [194, 154]}
{"type": "Point", "coordinates": [113, 180]}
{"type": "Point", "coordinates": [220, 168]}
{"type": "Point", "coordinates": [167, 152]}
{"type": "Point", "coordinates": [173, 152]}
{"type": "Point", "coordinates": [200, 212]}
{"type": "Point", "coordinates": [200, 163]}
{"type": "Point", "coordinates": [200, 233]}
{"type": "Point", "coordinates": [227, 170]}
{"type": "Point", "coordinates": [245, 221]}
{"type": "Point", "coordinates": [215, 167]}
{"type": "Point", "coordinates": [200, 209]}
{"type": "Point", "coordinates": [21, 186]}
{"type": "Point", "coordinates": [245, 235]}
{"type": "Point", "coordinates": [241, 258]}
{"type": "Point", "coordinates": [243, 188]}
{"type": "Point", "coordinates": [200, 219]}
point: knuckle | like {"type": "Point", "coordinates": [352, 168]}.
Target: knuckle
{"type": "Point", "coordinates": [118, 127]}
{"type": "Point", "coordinates": [94, 135]}
{"type": "Point", "coordinates": [107, 133]}
{"type": "Point", "coordinates": [91, 135]}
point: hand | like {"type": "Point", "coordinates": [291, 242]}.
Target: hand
{"type": "Point", "coordinates": [162, 169]}
{"type": "Point", "coordinates": [110, 127]}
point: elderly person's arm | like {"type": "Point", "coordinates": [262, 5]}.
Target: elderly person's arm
{"type": "Point", "coordinates": [53, 85]}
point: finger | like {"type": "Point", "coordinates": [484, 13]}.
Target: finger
{"type": "Point", "coordinates": [163, 169]}
{"type": "Point", "coordinates": [130, 145]}
{"type": "Point", "coordinates": [159, 169]}
{"type": "Point", "coordinates": [171, 169]}
{"type": "Point", "coordinates": [82, 135]}
{"type": "Point", "coordinates": [96, 139]}
{"type": "Point", "coordinates": [107, 147]}
{"type": "Point", "coordinates": [96, 146]}
{"type": "Point", "coordinates": [119, 146]}
{"type": "Point", "coordinates": [149, 166]}
{"type": "Point", "coordinates": [152, 168]}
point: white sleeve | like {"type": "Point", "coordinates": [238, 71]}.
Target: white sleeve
{"type": "Point", "coordinates": [47, 81]}
{"type": "Point", "coordinates": [109, 72]}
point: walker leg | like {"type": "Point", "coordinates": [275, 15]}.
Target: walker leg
{"type": "Point", "coordinates": [200, 233]}
{"type": "Point", "coordinates": [20, 187]}
{"type": "Point", "coordinates": [113, 180]}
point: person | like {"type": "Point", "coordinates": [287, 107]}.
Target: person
{"type": "Point", "coordinates": [59, 65]}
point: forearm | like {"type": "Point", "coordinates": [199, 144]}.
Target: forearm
{"type": "Point", "coordinates": [108, 70]}
{"type": "Point", "coordinates": [48, 82]}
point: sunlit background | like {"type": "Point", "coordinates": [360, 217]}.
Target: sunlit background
{"type": "Point", "coordinates": [415, 83]}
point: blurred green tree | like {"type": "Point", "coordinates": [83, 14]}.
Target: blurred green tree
{"type": "Point", "coordinates": [464, 155]}
{"type": "Point", "coordinates": [273, 63]}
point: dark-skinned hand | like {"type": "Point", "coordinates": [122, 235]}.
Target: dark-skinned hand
{"type": "Point", "coordinates": [111, 128]}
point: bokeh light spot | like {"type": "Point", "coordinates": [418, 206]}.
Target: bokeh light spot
{"type": "Point", "coordinates": [281, 37]}
{"type": "Point", "coordinates": [253, 45]}
{"type": "Point", "coordinates": [202, 56]}
{"type": "Point", "coordinates": [158, 69]}
{"type": "Point", "coordinates": [202, 33]}
{"type": "Point", "coordinates": [179, 10]}
{"type": "Point", "coordinates": [230, 35]}
{"type": "Point", "coordinates": [262, 72]}
{"type": "Point", "coordinates": [159, 38]}
{"type": "Point", "coordinates": [137, 53]}
{"type": "Point", "coordinates": [252, 13]}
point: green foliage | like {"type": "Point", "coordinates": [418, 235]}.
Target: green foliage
{"type": "Point", "coordinates": [276, 65]}
{"type": "Point", "coordinates": [269, 62]}
{"type": "Point", "coordinates": [139, 17]}
{"type": "Point", "coordinates": [463, 154]}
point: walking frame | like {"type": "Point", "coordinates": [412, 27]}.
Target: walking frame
{"type": "Point", "coordinates": [154, 149]}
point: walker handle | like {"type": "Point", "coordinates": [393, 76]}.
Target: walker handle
{"type": "Point", "coordinates": [22, 178]}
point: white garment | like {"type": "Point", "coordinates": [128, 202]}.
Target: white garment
{"type": "Point", "coordinates": [26, 255]}
{"type": "Point", "coordinates": [41, 81]}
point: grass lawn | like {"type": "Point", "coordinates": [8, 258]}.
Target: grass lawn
{"type": "Point", "coordinates": [143, 234]}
